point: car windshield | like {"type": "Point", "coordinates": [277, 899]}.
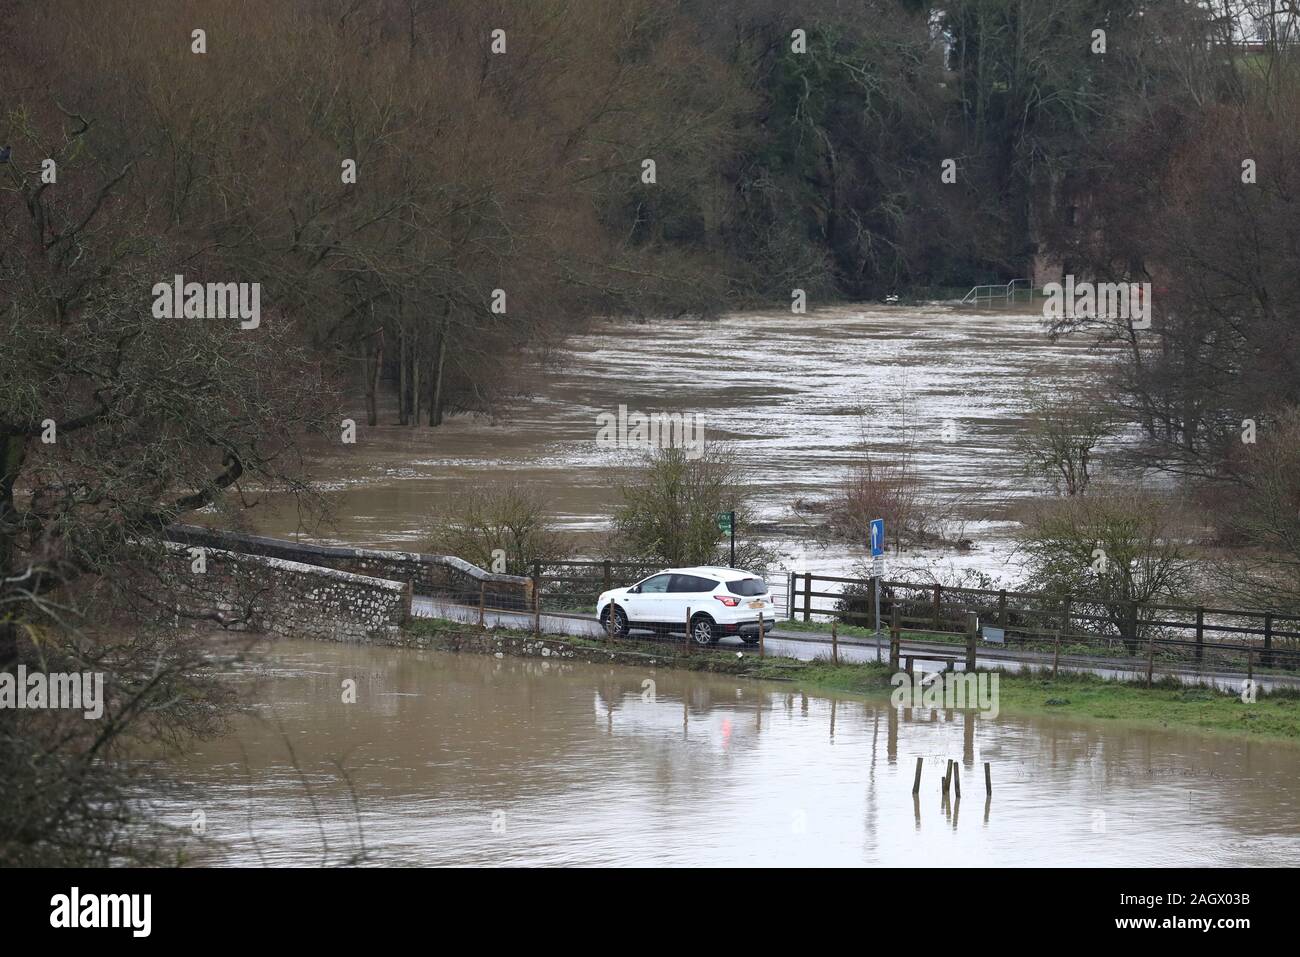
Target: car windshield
{"type": "Point", "coordinates": [748, 587]}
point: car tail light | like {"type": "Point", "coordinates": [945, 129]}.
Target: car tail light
{"type": "Point", "coordinates": [728, 600]}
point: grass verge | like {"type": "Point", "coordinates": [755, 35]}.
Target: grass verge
{"type": "Point", "coordinates": [1167, 703]}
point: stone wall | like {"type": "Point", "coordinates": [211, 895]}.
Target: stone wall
{"type": "Point", "coordinates": [262, 594]}
{"type": "Point", "coordinates": [443, 576]}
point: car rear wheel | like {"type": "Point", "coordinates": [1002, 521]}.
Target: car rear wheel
{"type": "Point", "coordinates": [620, 621]}
{"type": "Point", "coordinates": [703, 630]}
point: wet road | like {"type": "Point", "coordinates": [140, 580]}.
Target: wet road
{"type": "Point", "coordinates": [804, 646]}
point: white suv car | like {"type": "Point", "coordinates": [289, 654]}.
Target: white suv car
{"type": "Point", "coordinates": [722, 601]}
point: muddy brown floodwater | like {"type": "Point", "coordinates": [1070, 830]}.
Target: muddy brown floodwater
{"type": "Point", "coordinates": [797, 395]}
{"type": "Point", "coordinates": [464, 759]}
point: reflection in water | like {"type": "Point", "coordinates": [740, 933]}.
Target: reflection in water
{"type": "Point", "coordinates": [472, 759]}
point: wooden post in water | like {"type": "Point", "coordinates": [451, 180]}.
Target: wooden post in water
{"type": "Point", "coordinates": [916, 781]}
{"type": "Point", "coordinates": [956, 780]}
{"type": "Point", "coordinates": [947, 777]}
{"type": "Point", "coordinates": [972, 639]}
{"type": "Point", "coordinates": [988, 780]}
{"type": "Point", "coordinates": [762, 646]}
{"type": "Point", "coordinates": [835, 643]}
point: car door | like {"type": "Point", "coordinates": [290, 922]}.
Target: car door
{"type": "Point", "coordinates": [690, 591]}
{"type": "Point", "coordinates": [645, 607]}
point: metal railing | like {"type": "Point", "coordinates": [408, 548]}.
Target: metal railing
{"type": "Point", "coordinates": [1006, 292]}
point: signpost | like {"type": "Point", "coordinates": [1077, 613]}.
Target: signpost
{"type": "Point", "coordinates": [727, 525]}
{"type": "Point", "coordinates": [877, 568]}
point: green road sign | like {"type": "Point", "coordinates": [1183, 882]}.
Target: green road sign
{"type": "Point", "coordinates": [724, 522]}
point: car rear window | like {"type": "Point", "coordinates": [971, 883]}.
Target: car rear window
{"type": "Point", "coordinates": [748, 587]}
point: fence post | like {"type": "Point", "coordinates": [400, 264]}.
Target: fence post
{"type": "Point", "coordinates": [1002, 611]}
{"type": "Point", "coordinates": [894, 639]}
{"type": "Point", "coordinates": [835, 643]}
{"type": "Point", "coordinates": [938, 592]}
{"type": "Point", "coordinates": [762, 647]}
{"type": "Point", "coordinates": [1200, 633]}
{"type": "Point", "coordinates": [873, 599]}
{"type": "Point", "coordinates": [1266, 659]}
{"type": "Point", "coordinates": [972, 637]}
{"type": "Point", "coordinates": [1151, 657]}
{"type": "Point", "coordinates": [482, 599]}
{"type": "Point", "coordinates": [916, 782]}
{"type": "Point", "coordinates": [537, 600]}
{"type": "Point", "coordinates": [789, 597]}
{"type": "Point", "coordinates": [807, 596]}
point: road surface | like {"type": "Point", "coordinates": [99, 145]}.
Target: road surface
{"type": "Point", "coordinates": [804, 646]}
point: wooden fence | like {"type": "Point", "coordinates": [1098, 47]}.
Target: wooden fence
{"type": "Point", "coordinates": [1204, 635]}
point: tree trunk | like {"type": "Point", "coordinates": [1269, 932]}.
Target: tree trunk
{"type": "Point", "coordinates": [401, 377]}
{"type": "Point", "coordinates": [435, 406]}
{"type": "Point", "coordinates": [416, 394]}
{"type": "Point", "coordinates": [372, 380]}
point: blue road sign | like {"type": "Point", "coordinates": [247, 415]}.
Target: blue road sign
{"type": "Point", "coordinates": [877, 537]}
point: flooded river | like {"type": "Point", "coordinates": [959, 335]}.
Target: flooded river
{"type": "Point", "coordinates": [797, 396]}
{"type": "Point", "coordinates": [464, 759]}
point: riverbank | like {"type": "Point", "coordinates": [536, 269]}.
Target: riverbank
{"type": "Point", "coordinates": [1167, 704]}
